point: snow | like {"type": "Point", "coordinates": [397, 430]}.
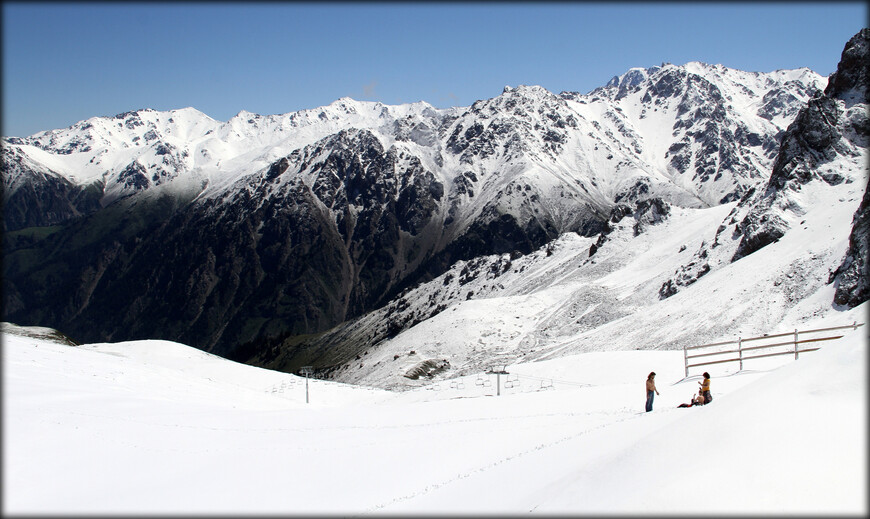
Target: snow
{"type": "Point", "coordinates": [651, 128]}
{"type": "Point", "coordinates": [627, 140]}
{"type": "Point", "coordinates": [160, 427]}
{"type": "Point", "coordinates": [559, 300]}
{"type": "Point", "coordinates": [153, 427]}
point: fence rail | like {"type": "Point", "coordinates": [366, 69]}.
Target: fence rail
{"type": "Point", "coordinates": [795, 343]}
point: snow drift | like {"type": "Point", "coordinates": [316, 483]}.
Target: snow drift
{"type": "Point", "coordinates": [156, 427]}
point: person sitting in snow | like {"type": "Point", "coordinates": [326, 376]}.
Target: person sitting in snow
{"type": "Point", "coordinates": [698, 400]}
{"type": "Point", "coordinates": [705, 388]}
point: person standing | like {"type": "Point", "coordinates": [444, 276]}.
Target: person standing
{"type": "Point", "coordinates": [651, 390]}
{"type": "Point", "coordinates": [705, 388]}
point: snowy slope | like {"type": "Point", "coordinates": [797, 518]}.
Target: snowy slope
{"type": "Point", "coordinates": [561, 300]}
{"type": "Point", "coordinates": [155, 427]}
{"type": "Point", "coordinates": [659, 277]}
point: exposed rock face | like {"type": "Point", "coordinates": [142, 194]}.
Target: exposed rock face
{"type": "Point", "coordinates": [853, 275]}
{"type": "Point", "coordinates": [33, 197]}
{"type": "Point", "coordinates": [650, 212]}
{"type": "Point", "coordinates": [826, 146]}
{"type": "Point", "coordinates": [759, 229]}
{"type": "Point", "coordinates": [427, 368]}
{"type": "Point", "coordinates": [646, 212]}
{"type": "Point", "coordinates": [831, 126]}
{"type": "Point", "coordinates": [852, 74]}
{"type": "Point", "coordinates": [282, 255]}
{"type": "Point", "coordinates": [712, 148]}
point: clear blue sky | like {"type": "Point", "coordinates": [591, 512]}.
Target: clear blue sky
{"type": "Point", "coordinates": [65, 62]}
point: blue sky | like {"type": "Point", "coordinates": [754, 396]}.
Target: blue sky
{"type": "Point", "coordinates": [65, 62]}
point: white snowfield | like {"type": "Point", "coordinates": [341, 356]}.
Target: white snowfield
{"type": "Point", "coordinates": [152, 427]}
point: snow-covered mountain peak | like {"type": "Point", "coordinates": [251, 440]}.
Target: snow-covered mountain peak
{"type": "Point", "coordinates": [244, 114]}
{"type": "Point", "coordinates": [368, 113]}
{"type": "Point", "coordinates": [609, 140]}
{"type": "Point", "coordinates": [349, 105]}
{"type": "Point", "coordinates": [529, 91]}
{"type": "Point", "coordinates": [701, 67]}
{"type": "Point", "coordinates": [633, 77]}
{"type": "Point", "coordinates": [726, 79]}
{"type": "Point", "coordinates": [127, 129]}
{"type": "Point", "coordinates": [522, 103]}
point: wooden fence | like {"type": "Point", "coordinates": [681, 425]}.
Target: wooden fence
{"type": "Point", "coordinates": [796, 344]}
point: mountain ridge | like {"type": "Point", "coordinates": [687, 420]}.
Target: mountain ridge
{"type": "Point", "coordinates": [296, 223]}
{"type": "Point", "coordinates": [190, 139]}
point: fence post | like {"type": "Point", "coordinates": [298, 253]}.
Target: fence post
{"type": "Point", "coordinates": [686, 360]}
{"type": "Point", "coordinates": [795, 344]}
{"type": "Point", "coordinates": [740, 351]}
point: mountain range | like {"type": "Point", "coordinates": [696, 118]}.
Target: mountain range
{"type": "Point", "coordinates": [312, 236]}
